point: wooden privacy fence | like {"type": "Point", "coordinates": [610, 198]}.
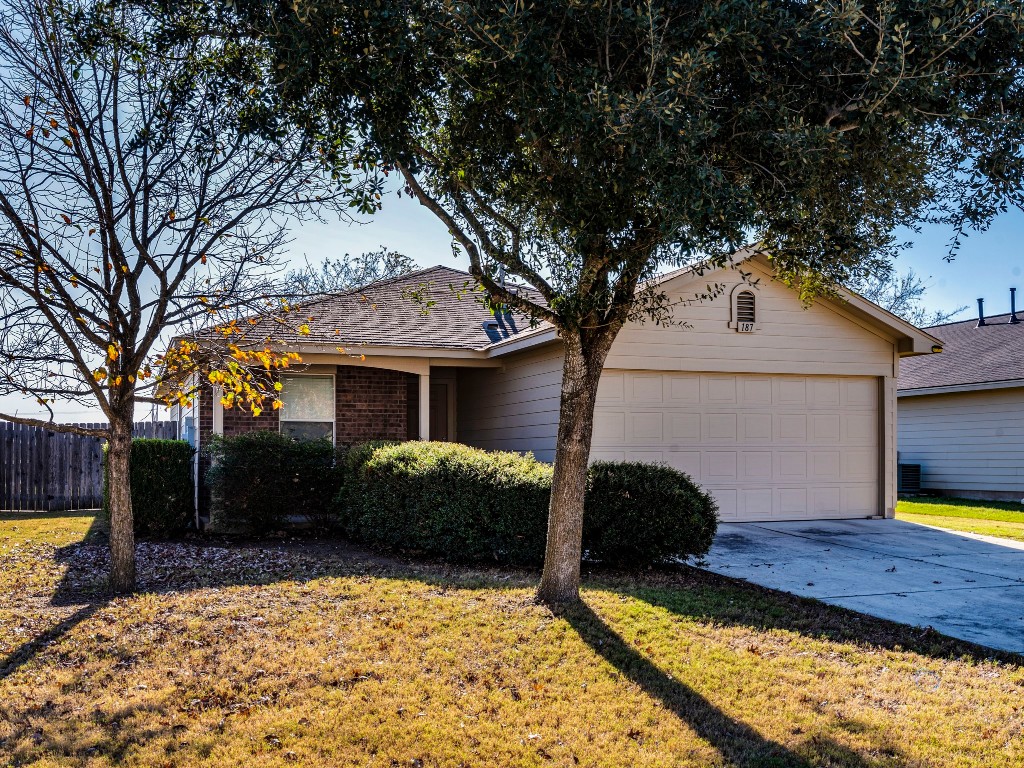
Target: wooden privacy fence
{"type": "Point", "coordinates": [48, 471]}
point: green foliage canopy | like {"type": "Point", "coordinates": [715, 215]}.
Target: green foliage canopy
{"type": "Point", "coordinates": [583, 145]}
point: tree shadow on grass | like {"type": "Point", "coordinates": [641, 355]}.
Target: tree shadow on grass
{"type": "Point", "coordinates": [73, 589]}
{"type": "Point", "coordinates": [737, 742]}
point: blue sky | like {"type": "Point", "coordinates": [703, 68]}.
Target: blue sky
{"type": "Point", "coordinates": [987, 266]}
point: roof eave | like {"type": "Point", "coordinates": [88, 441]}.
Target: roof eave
{"type": "Point", "coordinates": [951, 389]}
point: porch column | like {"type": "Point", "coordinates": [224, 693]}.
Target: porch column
{"type": "Point", "coordinates": [424, 405]}
{"type": "Point", "coordinates": [216, 393]}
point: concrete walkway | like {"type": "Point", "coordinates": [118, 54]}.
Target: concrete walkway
{"type": "Point", "coordinates": [963, 585]}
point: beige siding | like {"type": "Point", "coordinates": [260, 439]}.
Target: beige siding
{"type": "Point", "coordinates": [966, 442]}
{"type": "Point", "coordinates": [514, 408]}
{"type": "Point", "coordinates": [818, 340]}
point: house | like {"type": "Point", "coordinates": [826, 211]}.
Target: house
{"type": "Point", "coordinates": [782, 412]}
{"type": "Point", "coordinates": [961, 413]}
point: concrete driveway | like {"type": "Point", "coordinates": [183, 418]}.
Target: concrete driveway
{"type": "Point", "coordinates": [966, 586]}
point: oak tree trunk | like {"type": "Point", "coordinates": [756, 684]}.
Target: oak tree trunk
{"type": "Point", "coordinates": [122, 534]}
{"type": "Point", "coordinates": [560, 582]}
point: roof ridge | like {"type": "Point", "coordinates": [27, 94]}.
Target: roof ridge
{"type": "Point", "coordinates": [378, 284]}
{"type": "Point", "coordinates": [968, 320]}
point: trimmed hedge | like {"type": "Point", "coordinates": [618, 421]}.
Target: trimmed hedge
{"type": "Point", "coordinates": [466, 504]}
{"type": "Point", "coordinates": [447, 500]}
{"type": "Point", "coordinates": [260, 480]}
{"type": "Point", "coordinates": [163, 495]}
{"type": "Point", "coordinates": [637, 514]}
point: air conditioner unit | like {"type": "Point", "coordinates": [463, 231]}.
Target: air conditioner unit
{"type": "Point", "coordinates": [908, 478]}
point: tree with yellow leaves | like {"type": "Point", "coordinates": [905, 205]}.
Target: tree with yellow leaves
{"type": "Point", "coordinates": [137, 206]}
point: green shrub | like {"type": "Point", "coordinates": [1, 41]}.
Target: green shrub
{"type": "Point", "coordinates": [638, 514]}
{"type": "Point", "coordinates": [163, 495]}
{"type": "Point", "coordinates": [259, 481]}
{"type": "Point", "coordinates": [447, 500]}
{"type": "Point", "coordinates": [466, 504]}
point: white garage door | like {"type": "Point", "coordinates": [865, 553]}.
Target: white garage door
{"type": "Point", "coordinates": [767, 447]}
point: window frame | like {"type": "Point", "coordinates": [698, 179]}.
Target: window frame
{"type": "Point", "coordinates": [734, 296]}
{"type": "Point", "coordinates": [334, 403]}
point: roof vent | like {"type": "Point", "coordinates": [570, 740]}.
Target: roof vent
{"type": "Point", "coordinates": [981, 313]}
{"type": "Point", "coordinates": [1013, 307]}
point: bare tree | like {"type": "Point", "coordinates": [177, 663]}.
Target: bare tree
{"type": "Point", "coordinates": [347, 273]}
{"type": "Point", "coordinates": [903, 295]}
{"type": "Point", "coordinates": [136, 204]}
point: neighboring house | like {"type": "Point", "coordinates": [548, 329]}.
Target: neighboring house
{"type": "Point", "coordinates": [961, 413]}
{"type": "Point", "coordinates": [782, 412]}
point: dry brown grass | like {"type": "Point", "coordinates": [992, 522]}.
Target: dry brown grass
{"type": "Point", "coordinates": [318, 655]}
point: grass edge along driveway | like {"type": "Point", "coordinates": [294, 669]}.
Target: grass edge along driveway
{"type": "Point", "coordinates": [990, 518]}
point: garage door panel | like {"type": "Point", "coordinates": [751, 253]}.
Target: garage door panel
{"type": "Point", "coordinates": [767, 447]}
{"type": "Point", "coordinates": [720, 427]}
{"type": "Point", "coordinates": [646, 427]}
{"type": "Point", "coordinates": [649, 457]}
{"type": "Point", "coordinates": [791, 427]}
{"type": "Point", "coordinates": [756, 466]}
{"type": "Point", "coordinates": [611, 388]}
{"type": "Point", "coordinates": [719, 466]}
{"type": "Point", "coordinates": [756, 390]}
{"type": "Point", "coordinates": [826, 501]}
{"type": "Point", "coordinates": [859, 465]}
{"type": "Point", "coordinates": [859, 392]}
{"type": "Point", "coordinates": [859, 500]}
{"type": "Point", "coordinates": [791, 465]}
{"type": "Point", "coordinates": [685, 461]}
{"type": "Point", "coordinates": [755, 427]}
{"type": "Point", "coordinates": [727, 506]}
{"type": "Point", "coordinates": [683, 427]}
{"type": "Point", "coordinates": [609, 427]}
{"type": "Point", "coordinates": [791, 503]}
{"type": "Point", "coordinates": [790, 391]}
{"type": "Point", "coordinates": [683, 390]}
{"type": "Point", "coordinates": [826, 466]}
{"type": "Point", "coordinates": [860, 428]}
{"type": "Point", "coordinates": [719, 389]}
{"type": "Point", "coordinates": [645, 389]}
{"type": "Point", "coordinates": [826, 428]}
{"type": "Point", "coordinates": [825, 393]}
{"type": "Point", "coordinates": [752, 502]}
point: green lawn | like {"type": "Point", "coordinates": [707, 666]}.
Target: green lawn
{"type": "Point", "coordinates": [992, 518]}
{"type": "Point", "coordinates": [316, 654]}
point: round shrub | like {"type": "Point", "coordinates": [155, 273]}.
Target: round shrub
{"type": "Point", "coordinates": [448, 500]}
{"type": "Point", "coordinates": [261, 481]}
{"type": "Point", "coordinates": [638, 514]}
{"type": "Point", "coordinates": [163, 495]}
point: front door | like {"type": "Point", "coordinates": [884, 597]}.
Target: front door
{"type": "Point", "coordinates": [439, 411]}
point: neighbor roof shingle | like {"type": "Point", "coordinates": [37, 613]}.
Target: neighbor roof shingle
{"type": "Point", "coordinates": [439, 307]}
{"type": "Point", "coordinates": [970, 355]}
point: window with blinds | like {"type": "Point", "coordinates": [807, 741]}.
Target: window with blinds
{"type": "Point", "coordinates": [307, 411]}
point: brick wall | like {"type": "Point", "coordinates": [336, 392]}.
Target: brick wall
{"type": "Point", "coordinates": [370, 404]}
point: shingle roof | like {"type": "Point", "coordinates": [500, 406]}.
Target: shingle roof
{"type": "Point", "coordinates": [439, 307]}
{"type": "Point", "coordinates": [970, 355]}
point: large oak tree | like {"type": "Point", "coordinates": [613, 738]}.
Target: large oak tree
{"type": "Point", "coordinates": [583, 146]}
